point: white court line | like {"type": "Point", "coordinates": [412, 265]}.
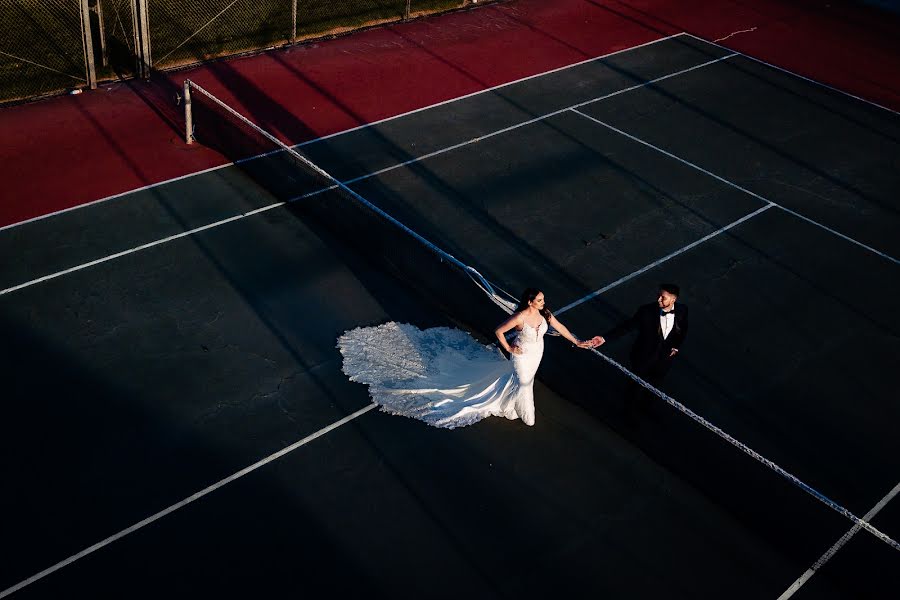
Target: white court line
{"type": "Point", "coordinates": [113, 197]}
{"type": "Point", "coordinates": [186, 501]}
{"type": "Point", "coordinates": [136, 249]}
{"type": "Point", "coordinates": [736, 186]}
{"type": "Point", "coordinates": [783, 70]}
{"type": "Point", "coordinates": [656, 263]}
{"type": "Point", "coordinates": [350, 130]}
{"type": "Point", "coordinates": [837, 546]}
{"type": "Point", "coordinates": [354, 180]}
{"type": "Point", "coordinates": [496, 87]}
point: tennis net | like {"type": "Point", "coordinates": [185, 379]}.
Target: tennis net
{"type": "Point", "coordinates": [318, 197]}
{"type": "Point", "coordinates": [355, 221]}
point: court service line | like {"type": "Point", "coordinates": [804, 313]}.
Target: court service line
{"type": "Point", "coordinates": [152, 244]}
{"type": "Point", "coordinates": [738, 187]}
{"type": "Point", "coordinates": [355, 179]}
{"type": "Point", "coordinates": [660, 261]}
{"type": "Point", "coordinates": [783, 70]}
{"type": "Point", "coordinates": [837, 546]}
{"type": "Point", "coordinates": [344, 131]}
{"type": "Point", "coordinates": [186, 501]}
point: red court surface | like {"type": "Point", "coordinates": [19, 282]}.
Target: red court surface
{"type": "Point", "coordinates": [71, 150]}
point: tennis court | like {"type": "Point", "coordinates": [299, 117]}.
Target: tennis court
{"type": "Point", "coordinates": [179, 423]}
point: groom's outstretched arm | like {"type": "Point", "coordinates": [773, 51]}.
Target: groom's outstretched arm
{"type": "Point", "coordinates": [626, 326]}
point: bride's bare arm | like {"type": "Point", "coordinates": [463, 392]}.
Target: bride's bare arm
{"type": "Point", "coordinates": [513, 321]}
{"type": "Point", "coordinates": [564, 331]}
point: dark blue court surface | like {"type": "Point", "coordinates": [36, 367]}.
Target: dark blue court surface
{"type": "Point", "coordinates": [139, 376]}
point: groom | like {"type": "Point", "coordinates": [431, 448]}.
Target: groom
{"type": "Point", "coordinates": [662, 327]}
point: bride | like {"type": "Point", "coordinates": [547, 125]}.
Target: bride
{"type": "Point", "coordinates": [445, 377]}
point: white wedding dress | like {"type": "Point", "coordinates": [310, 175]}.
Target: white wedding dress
{"type": "Point", "coordinates": [443, 376]}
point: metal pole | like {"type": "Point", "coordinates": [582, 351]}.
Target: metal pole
{"type": "Point", "coordinates": [140, 20]}
{"type": "Point", "coordinates": [87, 43]}
{"type": "Point", "coordinates": [146, 56]}
{"type": "Point", "coordinates": [294, 21]}
{"type": "Point", "coordinates": [98, 8]}
{"type": "Point", "coordinates": [138, 62]}
{"type": "Point", "coordinates": [188, 115]}
{"type": "Point", "coordinates": [406, 15]}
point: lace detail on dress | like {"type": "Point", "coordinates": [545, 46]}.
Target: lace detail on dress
{"type": "Point", "coordinates": [441, 375]}
{"type": "Point", "coordinates": [532, 335]}
{"type": "Point", "coordinates": [394, 353]}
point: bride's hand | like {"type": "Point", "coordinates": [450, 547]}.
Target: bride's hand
{"type": "Point", "coordinates": [515, 350]}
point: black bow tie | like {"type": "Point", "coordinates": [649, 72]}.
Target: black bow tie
{"type": "Point", "coordinates": [663, 313]}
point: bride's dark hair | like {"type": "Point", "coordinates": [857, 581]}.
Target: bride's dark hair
{"type": "Point", "coordinates": [528, 296]}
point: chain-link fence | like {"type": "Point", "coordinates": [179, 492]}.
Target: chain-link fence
{"type": "Point", "coordinates": [115, 26]}
{"type": "Point", "coordinates": [41, 48]}
{"type": "Point", "coordinates": [43, 42]}
{"type": "Point", "coordinates": [188, 31]}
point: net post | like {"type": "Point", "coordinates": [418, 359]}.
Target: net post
{"type": "Point", "coordinates": [188, 114]}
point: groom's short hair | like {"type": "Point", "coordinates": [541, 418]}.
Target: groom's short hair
{"type": "Point", "coordinates": [670, 287]}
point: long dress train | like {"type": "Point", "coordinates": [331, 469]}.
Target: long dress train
{"type": "Point", "coordinates": [442, 375]}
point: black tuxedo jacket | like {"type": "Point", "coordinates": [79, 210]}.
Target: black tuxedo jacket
{"type": "Point", "coordinates": [650, 347]}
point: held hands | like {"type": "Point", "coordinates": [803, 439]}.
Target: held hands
{"type": "Point", "coordinates": [594, 342]}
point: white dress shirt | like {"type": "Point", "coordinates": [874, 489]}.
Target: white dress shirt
{"type": "Point", "coordinates": [666, 322]}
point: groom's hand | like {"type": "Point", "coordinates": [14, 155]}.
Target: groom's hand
{"type": "Point", "coordinates": [673, 352]}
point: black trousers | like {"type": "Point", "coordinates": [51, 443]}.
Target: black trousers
{"type": "Point", "coordinates": [653, 372]}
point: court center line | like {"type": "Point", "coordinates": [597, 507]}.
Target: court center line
{"type": "Point", "coordinates": [793, 74]}
{"type": "Point", "coordinates": [349, 130]}
{"type": "Point", "coordinates": [738, 187]}
{"type": "Point", "coordinates": [353, 180]}
{"type": "Point", "coordinates": [837, 546]}
{"type": "Point", "coordinates": [186, 501]}
{"type": "Point", "coordinates": [660, 261]}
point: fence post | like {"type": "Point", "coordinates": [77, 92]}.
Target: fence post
{"type": "Point", "coordinates": [406, 14]}
{"type": "Point", "coordinates": [293, 21]}
{"type": "Point", "coordinates": [97, 9]}
{"type": "Point", "coordinates": [143, 59]}
{"type": "Point", "coordinates": [188, 114]}
{"type": "Point", "coordinates": [87, 43]}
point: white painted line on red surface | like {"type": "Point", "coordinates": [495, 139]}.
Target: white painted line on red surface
{"type": "Point", "coordinates": [351, 181]}
{"type": "Point", "coordinates": [783, 70]}
{"type": "Point", "coordinates": [358, 127]}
